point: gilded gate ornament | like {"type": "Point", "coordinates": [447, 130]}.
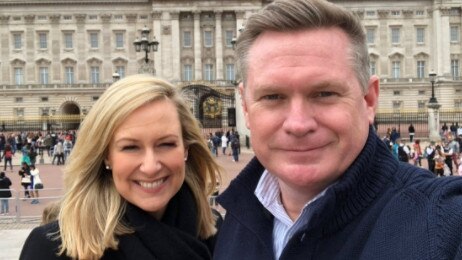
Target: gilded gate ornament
{"type": "Point", "coordinates": [212, 107]}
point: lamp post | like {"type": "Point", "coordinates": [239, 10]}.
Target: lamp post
{"type": "Point", "coordinates": [115, 76]}
{"type": "Point", "coordinates": [147, 46]}
{"type": "Point", "coordinates": [433, 112]}
{"type": "Point", "coordinates": [432, 75]}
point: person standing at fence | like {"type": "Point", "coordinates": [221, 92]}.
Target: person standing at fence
{"type": "Point", "coordinates": [58, 153]}
{"type": "Point", "coordinates": [417, 153]}
{"type": "Point", "coordinates": [224, 143]}
{"type": "Point", "coordinates": [141, 191]}
{"type": "Point", "coordinates": [430, 155]}
{"type": "Point", "coordinates": [411, 131]}
{"type": "Point", "coordinates": [235, 144]}
{"type": "Point", "coordinates": [26, 179]}
{"type": "Point", "coordinates": [8, 157]}
{"type": "Point", "coordinates": [5, 193]}
{"type": "Point", "coordinates": [67, 146]}
{"type": "Point", "coordinates": [25, 150]}
{"type": "Point", "coordinates": [37, 183]}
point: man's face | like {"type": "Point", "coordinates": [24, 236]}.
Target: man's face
{"type": "Point", "coordinates": [304, 106]}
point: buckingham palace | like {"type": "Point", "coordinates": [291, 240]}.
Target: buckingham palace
{"type": "Point", "coordinates": [57, 57]}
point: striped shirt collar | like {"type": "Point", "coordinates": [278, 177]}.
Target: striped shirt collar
{"type": "Point", "coordinates": [268, 193]}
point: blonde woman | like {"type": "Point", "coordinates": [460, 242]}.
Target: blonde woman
{"type": "Point", "coordinates": [137, 181]}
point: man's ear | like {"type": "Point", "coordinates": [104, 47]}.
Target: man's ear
{"type": "Point", "coordinates": [244, 104]}
{"type": "Point", "coordinates": [372, 98]}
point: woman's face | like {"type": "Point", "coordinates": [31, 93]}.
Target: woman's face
{"type": "Point", "coordinates": [147, 156]}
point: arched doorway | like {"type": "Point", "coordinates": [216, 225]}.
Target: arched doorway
{"type": "Point", "coordinates": [70, 112]}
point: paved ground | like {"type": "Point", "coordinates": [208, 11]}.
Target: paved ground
{"type": "Point", "coordinates": [16, 226]}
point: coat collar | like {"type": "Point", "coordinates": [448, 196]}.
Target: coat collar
{"type": "Point", "coordinates": [355, 190]}
{"type": "Point", "coordinates": [174, 237]}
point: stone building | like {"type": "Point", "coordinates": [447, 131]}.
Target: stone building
{"type": "Point", "coordinates": [57, 57]}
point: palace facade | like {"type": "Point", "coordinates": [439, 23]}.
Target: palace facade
{"type": "Point", "coordinates": [57, 57]}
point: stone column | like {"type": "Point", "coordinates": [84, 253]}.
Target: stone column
{"type": "Point", "coordinates": [81, 49]}
{"type": "Point", "coordinates": [176, 63]}
{"type": "Point", "coordinates": [5, 44]}
{"type": "Point", "coordinates": [197, 46]}
{"type": "Point", "coordinates": [219, 45]}
{"type": "Point", "coordinates": [55, 47]}
{"type": "Point", "coordinates": [106, 48]}
{"type": "Point", "coordinates": [434, 121]}
{"type": "Point", "coordinates": [30, 48]}
{"type": "Point", "coordinates": [157, 32]}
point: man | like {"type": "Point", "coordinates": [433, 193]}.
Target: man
{"type": "Point", "coordinates": [411, 131]}
{"type": "Point", "coordinates": [323, 185]}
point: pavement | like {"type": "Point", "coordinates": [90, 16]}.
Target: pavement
{"type": "Point", "coordinates": [14, 232]}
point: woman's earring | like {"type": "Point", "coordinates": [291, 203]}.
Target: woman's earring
{"type": "Point", "coordinates": [108, 167]}
{"type": "Point", "coordinates": [185, 159]}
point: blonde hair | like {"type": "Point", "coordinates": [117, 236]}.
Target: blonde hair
{"type": "Point", "coordinates": [50, 212]}
{"type": "Point", "coordinates": [92, 209]}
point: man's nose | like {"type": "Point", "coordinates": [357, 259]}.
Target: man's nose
{"type": "Point", "coordinates": [300, 117]}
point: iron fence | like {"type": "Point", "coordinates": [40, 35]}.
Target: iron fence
{"type": "Point", "coordinates": [419, 119]}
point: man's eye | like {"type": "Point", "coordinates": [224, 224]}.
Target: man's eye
{"type": "Point", "coordinates": [326, 94]}
{"type": "Point", "coordinates": [272, 97]}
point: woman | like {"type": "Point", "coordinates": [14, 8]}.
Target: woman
{"type": "Point", "coordinates": [8, 157]}
{"type": "Point", "coordinates": [439, 161]}
{"type": "Point", "coordinates": [26, 179]}
{"type": "Point", "coordinates": [417, 153]}
{"type": "Point", "coordinates": [5, 193]}
{"type": "Point", "coordinates": [137, 181]}
{"type": "Point", "coordinates": [37, 183]}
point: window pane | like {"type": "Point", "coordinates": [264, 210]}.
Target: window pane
{"type": "Point", "coordinates": [187, 72]}
{"type": "Point", "coordinates": [370, 34]}
{"type": "Point", "coordinates": [454, 33]}
{"type": "Point", "coordinates": [121, 71]}
{"type": "Point", "coordinates": [94, 75]}
{"type": "Point", "coordinates": [420, 69]}
{"type": "Point", "coordinates": [455, 69]}
{"type": "Point", "coordinates": [208, 72]}
{"type": "Point", "coordinates": [43, 75]}
{"type": "Point", "coordinates": [187, 41]}
{"type": "Point", "coordinates": [68, 41]}
{"type": "Point", "coordinates": [372, 67]}
{"type": "Point", "coordinates": [229, 37]}
{"type": "Point", "coordinates": [94, 40]}
{"type": "Point", "coordinates": [119, 40]}
{"type": "Point", "coordinates": [18, 76]}
{"type": "Point", "coordinates": [395, 35]}
{"type": "Point", "coordinates": [208, 39]}
{"type": "Point", "coordinates": [43, 44]}
{"type": "Point", "coordinates": [17, 41]}
{"type": "Point", "coordinates": [396, 69]}
{"type": "Point", "coordinates": [230, 72]}
{"type": "Point", "coordinates": [420, 35]}
{"type": "Point", "coordinates": [69, 75]}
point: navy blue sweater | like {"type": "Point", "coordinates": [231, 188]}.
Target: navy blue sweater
{"type": "Point", "coordinates": [379, 209]}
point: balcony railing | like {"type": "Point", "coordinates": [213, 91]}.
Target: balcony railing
{"type": "Point", "coordinates": [53, 86]}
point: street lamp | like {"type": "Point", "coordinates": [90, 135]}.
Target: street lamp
{"type": "Point", "coordinates": [115, 76]}
{"type": "Point", "coordinates": [432, 75]}
{"type": "Point", "coordinates": [147, 46]}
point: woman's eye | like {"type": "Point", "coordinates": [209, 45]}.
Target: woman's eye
{"type": "Point", "coordinates": [168, 144]}
{"type": "Point", "coordinates": [129, 148]}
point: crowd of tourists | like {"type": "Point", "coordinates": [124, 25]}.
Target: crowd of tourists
{"type": "Point", "coordinates": [444, 158]}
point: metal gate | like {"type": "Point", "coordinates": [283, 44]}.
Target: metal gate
{"type": "Point", "coordinates": [214, 108]}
